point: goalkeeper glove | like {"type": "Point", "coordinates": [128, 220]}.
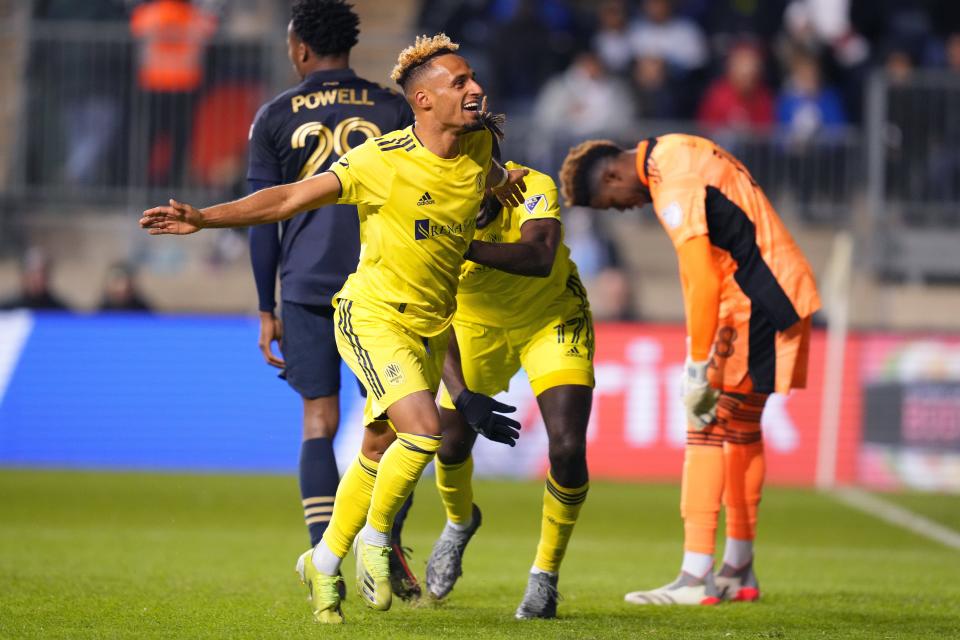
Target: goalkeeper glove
{"type": "Point", "coordinates": [478, 410]}
{"type": "Point", "coordinates": [699, 398]}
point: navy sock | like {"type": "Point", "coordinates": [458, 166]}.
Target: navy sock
{"type": "Point", "coordinates": [398, 521]}
{"type": "Point", "coordinates": [318, 484]}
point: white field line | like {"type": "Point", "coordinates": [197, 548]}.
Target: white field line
{"type": "Point", "coordinates": [898, 516]}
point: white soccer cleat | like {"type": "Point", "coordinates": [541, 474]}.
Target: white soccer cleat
{"type": "Point", "coordinates": [738, 585]}
{"type": "Point", "coordinates": [685, 590]}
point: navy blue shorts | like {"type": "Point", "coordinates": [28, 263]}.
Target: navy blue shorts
{"type": "Point", "coordinates": [310, 350]}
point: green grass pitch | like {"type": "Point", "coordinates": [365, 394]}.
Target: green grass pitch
{"type": "Point", "coordinates": [110, 555]}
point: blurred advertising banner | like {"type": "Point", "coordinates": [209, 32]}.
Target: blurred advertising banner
{"type": "Point", "coordinates": [638, 425]}
{"type": "Point", "coordinates": [192, 393]}
{"type": "Point", "coordinates": [911, 404]}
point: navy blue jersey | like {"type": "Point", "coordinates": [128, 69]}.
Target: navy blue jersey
{"type": "Point", "coordinates": [298, 134]}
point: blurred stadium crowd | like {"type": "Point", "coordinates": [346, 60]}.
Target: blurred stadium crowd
{"type": "Point", "coordinates": [845, 111]}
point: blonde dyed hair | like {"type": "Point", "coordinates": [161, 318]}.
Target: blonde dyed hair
{"type": "Point", "coordinates": [423, 49]}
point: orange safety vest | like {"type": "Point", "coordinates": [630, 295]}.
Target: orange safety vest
{"type": "Point", "coordinates": [172, 36]}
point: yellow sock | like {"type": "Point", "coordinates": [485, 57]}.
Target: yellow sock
{"type": "Point", "coordinates": [455, 484]}
{"type": "Point", "coordinates": [351, 505]}
{"type": "Point", "coordinates": [561, 507]}
{"type": "Point", "coordinates": [400, 468]}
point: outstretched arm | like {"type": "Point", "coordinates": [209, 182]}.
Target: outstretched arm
{"type": "Point", "coordinates": [268, 205]}
{"type": "Point", "coordinates": [533, 255]}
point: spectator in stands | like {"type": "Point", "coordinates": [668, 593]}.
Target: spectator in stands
{"type": "Point", "coordinates": [534, 41]}
{"type": "Point", "coordinates": [35, 290]}
{"type": "Point", "coordinates": [805, 108]}
{"type": "Point", "coordinates": [120, 291]}
{"type": "Point", "coordinates": [172, 36]}
{"type": "Point", "coordinates": [661, 34]}
{"type": "Point", "coordinates": [824, 30]}
{"type": "Point", "coordinates": [82, 84]}
{"type": "Point", "coordinates": [585, 100]}
{"type": "Point", "coordinates": [952, 52]}
{"type": "Point", "coordinates": [612, 41]}
{"type": "Point", "coordinates": [653, 93]}
{"type": "Point", "coordinates": [726, 22]}
{"type": "Point", "coordinates": [899, 64]}
{"type": "Point", "coordinates": [740, 100]}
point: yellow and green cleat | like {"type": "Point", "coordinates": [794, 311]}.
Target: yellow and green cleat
{"type": "Point", "coordinates": [324, 593]}
{"type": "Point", "coordinates": [373, 575]}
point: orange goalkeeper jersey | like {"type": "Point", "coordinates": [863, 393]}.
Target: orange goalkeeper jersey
{"type": "Point", "coordinates": [701, 192]}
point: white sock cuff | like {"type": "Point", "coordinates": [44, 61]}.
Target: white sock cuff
{"type": "Point", "coordinates": [460, 526]}
{"type": "Point", "coordinates": [697, 564]}
{"type": "Point", "coordinates": [373, 537]}
{"type": "Point", "coordinates": [738, 553]}
{"type": "Point", "coordinates": [325, 560]}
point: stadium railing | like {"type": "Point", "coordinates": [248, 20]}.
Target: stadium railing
{"type": "Point", "coordinates": [913, 132]}
{"type": "Point", "coordinates": [818, 179]}
{"type": "Point", "coordinates": [89, 133]}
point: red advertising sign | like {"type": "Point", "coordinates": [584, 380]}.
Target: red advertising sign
{"type": "Point", "coordinates": [638, 425]}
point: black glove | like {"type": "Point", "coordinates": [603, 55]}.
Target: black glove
{"type": "Point", "coordinates": [478, 410]}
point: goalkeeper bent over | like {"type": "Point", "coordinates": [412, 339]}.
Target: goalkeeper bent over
{"type": "Point", "coordinates": [749, 292]}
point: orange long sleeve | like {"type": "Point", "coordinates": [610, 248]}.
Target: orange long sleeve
{"type": "Point", "coordinates": [700, 280]}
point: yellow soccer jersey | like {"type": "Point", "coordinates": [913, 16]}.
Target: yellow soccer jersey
{"type": "Point", "coordinates": [417, 217]}
{"type": "Point", "coordinates": [496, 298]}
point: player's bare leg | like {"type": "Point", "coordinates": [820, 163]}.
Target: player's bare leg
{"type": "Point", "coordinates": [454, 482]}
{"type": "Point", "coordinates": [566, 413]}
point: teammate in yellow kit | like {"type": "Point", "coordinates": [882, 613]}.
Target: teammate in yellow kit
{"type": "Point", "coordinates": [506, 319]}
{"type": "Point", "coordinates": [418, 191]}
{"type": "Point", "coordinates": [749, 294]}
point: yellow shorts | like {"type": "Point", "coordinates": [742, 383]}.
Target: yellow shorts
{"type": "Point", "coordinates": [556, 350]}
{"type": "Point", "coordinates": [391, 361]}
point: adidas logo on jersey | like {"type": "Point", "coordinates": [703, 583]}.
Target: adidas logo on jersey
{"type": "Point", "coordinates": [425, 199]}
{"type": "Point", "coordinates": [573, 351]}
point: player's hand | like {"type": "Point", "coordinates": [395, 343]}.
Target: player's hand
{"type": "Point", "coordinates": [178, 219]}
{"type": "Point", "coordinates": [271, 330]}
{"type": "Point", "coordinates": [699, 398]}
{"type": "Point", "coordinates": [479, 412]}
{"type": "Point", "coordinates": [511, 193]}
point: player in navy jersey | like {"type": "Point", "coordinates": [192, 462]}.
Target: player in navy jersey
{"type": "Point", "coordinates": [300, 133]}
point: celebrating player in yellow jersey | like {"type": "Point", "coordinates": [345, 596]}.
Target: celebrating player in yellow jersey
{"type": "Point", "coordinates": [505, 321]}
{"type": "Point", "coordinates": [418, 192]}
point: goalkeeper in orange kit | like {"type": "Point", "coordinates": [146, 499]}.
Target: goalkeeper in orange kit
{"type": "Point", "coordinates": [748, 294]}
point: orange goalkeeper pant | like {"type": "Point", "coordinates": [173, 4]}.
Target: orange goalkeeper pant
{"type": "Point", "coordinates": [723, 464]}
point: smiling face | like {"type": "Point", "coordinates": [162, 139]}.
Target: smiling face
{"type": "Point", "coordinates": [448, 91]}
